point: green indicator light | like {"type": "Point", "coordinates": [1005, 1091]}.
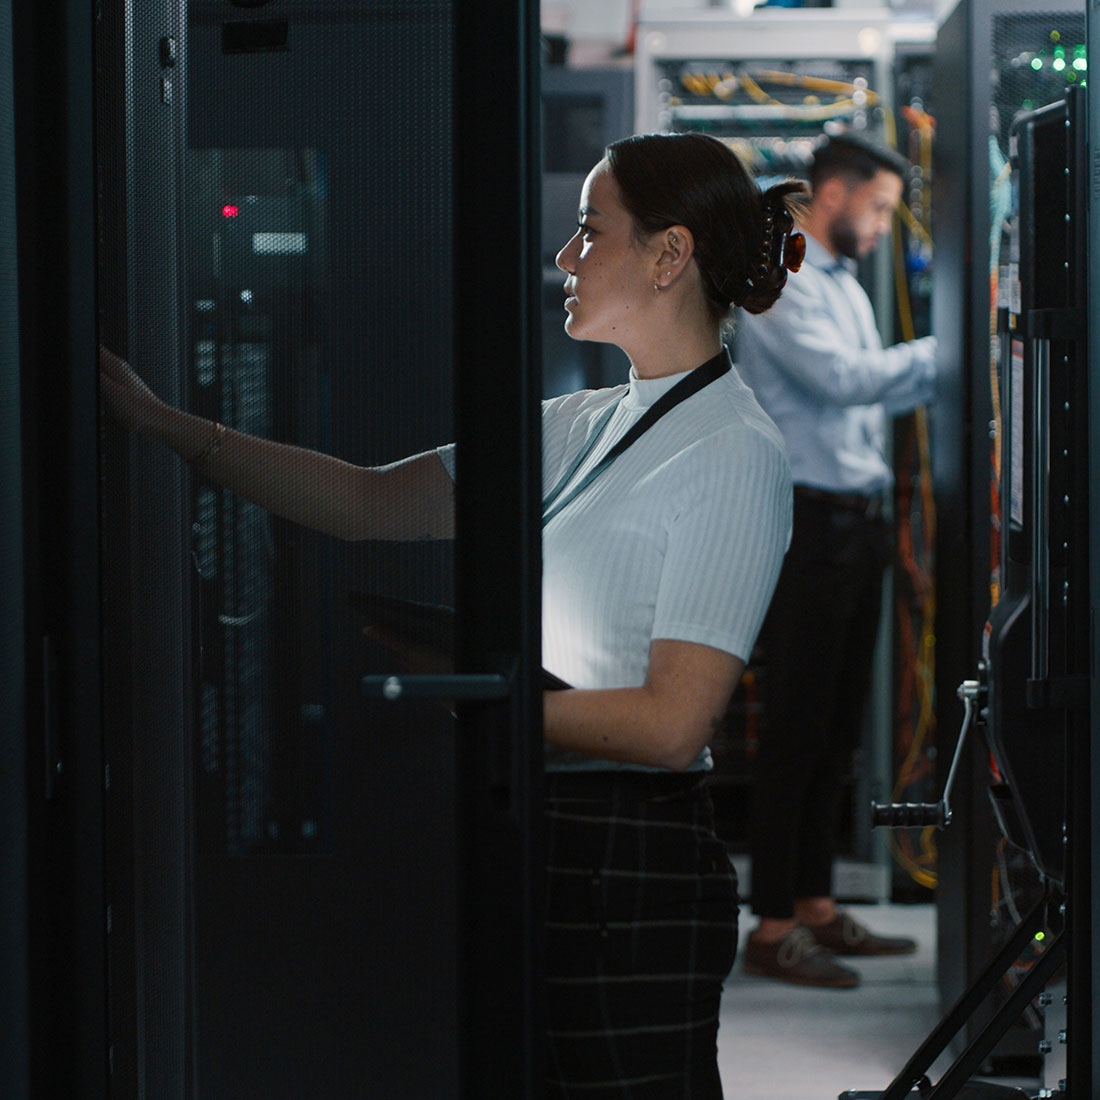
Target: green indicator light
{"type": "Point", "coordinates": [1055, 36]}
{"type": "Point", "coordinates": [1040, 936]}
{"type": "Point", "coordinates": [1059, 63]}
{"type": "Point", "coordinates": [1071, 76]}
{"type": "Point", "coordinates": [1036, 62]}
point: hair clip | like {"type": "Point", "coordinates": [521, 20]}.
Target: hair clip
{"type": "Point", "coordinates": [792, 248]}
{"type": "Point", "coordinates": [781, 250]}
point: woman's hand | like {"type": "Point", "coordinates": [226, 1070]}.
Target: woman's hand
{"type": "Point", "coordinates": [408, 500]}
{"type": "Point", "coordinates": [126, 395]}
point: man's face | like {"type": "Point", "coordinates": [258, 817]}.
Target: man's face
{"type": "Point", "coordinates": [865, 214]}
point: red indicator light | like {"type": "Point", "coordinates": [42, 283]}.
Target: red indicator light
{"type": "Point", "coordinates": [229, 211]}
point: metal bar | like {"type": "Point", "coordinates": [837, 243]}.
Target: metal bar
{"type": "Point", "coordinates": [1040, 511]}
{"type": "Point", "coordinates": [468, 687]}
{"type": "Point", "coordinates": [963, 1068]}
{"type": "Point", "coordinates": [969, 691]}
{"type": "Point", "coordinates": [964, 1007]}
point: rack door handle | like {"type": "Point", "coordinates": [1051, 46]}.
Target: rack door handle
{"type": "Point", "coordinates": [471, 686]}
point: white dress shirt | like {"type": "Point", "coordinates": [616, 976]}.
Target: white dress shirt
{"type": "Point", "coordinates": [817, 365]}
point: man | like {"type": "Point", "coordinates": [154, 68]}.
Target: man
{"type": "Point", "coordinates": [817, 365]}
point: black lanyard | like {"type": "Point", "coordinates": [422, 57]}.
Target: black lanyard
{"type": "Point", "coordinates": [695, 381]}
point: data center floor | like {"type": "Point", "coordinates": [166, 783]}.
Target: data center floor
{"type": "Point", "coordinates": [783, 1042]}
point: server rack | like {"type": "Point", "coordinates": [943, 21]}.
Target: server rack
{"type": "Point", "coordinates": [1090, 891]}
{"type": "Point", "coordinates": [163, 941]}
{"type": "Point", "coordinates": [52, 987]}
{"type": "Point", "coordinates": [1030, 697]}
{"type": "Point", "coordinates": [1005, 54]}
{"type": "Point", "coordinates": [14, 930]}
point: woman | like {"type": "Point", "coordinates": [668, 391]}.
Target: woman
{"type": "Point", "coordinates": [666, 516]}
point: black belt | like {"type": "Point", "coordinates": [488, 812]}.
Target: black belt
{"type": "Point", "coordinates": [870, 507]}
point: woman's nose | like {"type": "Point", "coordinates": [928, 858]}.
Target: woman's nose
{"type": "Point", "coordinates": [563, 259]}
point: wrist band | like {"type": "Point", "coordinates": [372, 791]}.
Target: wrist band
{"type": "Point", "coordinates": [213, 445]}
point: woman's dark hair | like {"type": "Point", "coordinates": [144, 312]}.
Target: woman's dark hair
{"type": "Point", "coordinates": [741, 233]}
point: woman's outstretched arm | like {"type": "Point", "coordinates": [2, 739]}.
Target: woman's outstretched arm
{"type": "Point", "coordinates": [406, 500]}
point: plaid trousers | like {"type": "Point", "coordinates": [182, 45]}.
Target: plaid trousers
{"type": "Point", "coordinates": [641, 931]}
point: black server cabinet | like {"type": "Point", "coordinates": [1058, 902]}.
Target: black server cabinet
{"type": "Point", "coordinates": [1037, 654]}
{"type": "Point", "coordinates": [14, 864]}
{"type": "Point", "coordinates": [1006, 53]}
{"type": "Point", "coordinates": [237, 874]}
{"type": "Point", "coordinates": [52, 945]}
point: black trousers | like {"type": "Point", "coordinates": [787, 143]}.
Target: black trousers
{"type": "Point", "coordinates": [817, 646]}
{"type": "Point", "coordinates": [641, 931]}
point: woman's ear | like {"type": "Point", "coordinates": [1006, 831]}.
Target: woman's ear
{"type": "Point", "coordinates": [675, 246]}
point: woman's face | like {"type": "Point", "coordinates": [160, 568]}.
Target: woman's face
{"type": "Point", "coordinates": [610, 273]}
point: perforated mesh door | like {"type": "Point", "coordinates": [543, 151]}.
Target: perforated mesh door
{"type": "Point", "coordinates": [277, 256]}
{"type": "Point", "coordinates": [319, 227]}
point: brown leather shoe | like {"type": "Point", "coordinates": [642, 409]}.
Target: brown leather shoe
{"type": "Point", "coordinates": [844, 935]}
{"type": "Point", "coordinates": [798, 958]}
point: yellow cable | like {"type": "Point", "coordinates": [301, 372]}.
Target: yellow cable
{"type": "Point", "coordinates": [793, 110]}
{"type": "Point", "coordinates": [891, 127]}
{"type": "Point", "coordinates": [755, 90]}
{"type": "Point", "coordinates": [911, 223]}
{"type": "Point", "coordinates": [816, 84]}
{"type": "Point", "coordinates": [919, 871]}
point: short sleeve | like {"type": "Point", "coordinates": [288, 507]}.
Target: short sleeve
{"type": "Point", "coordinates": [725, 546]}
{"type": "Point", "coordinates": [447, 457]}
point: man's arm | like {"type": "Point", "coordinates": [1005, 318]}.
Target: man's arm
{"type": "Point", "coordinates": [801, 338]}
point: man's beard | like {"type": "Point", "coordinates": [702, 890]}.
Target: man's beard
{"type": "Point", "coordinates": [845, 240]}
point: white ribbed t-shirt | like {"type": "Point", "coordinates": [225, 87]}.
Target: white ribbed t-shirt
{"type": "Point", "coordinates": [681, 537]}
